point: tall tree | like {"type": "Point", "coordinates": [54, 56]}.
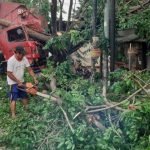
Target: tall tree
{"type": "Point", "coordinates": [94, 17]}
{"type": "Point", "coordinates": [112, 35]}
{"type": "Point", "coordinates": [54, 16]}
{"type": "Point", "coordinates": [95, 39]}
{"type": "Point", "coordinates": [61, 2]}
{"type": "Point", "coordinates": [69, 13]}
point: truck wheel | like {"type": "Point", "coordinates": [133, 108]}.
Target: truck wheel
{"type": "Point", "coordinates": [3, 64]}
{"type": "Point", "coordinates": [43, 56]}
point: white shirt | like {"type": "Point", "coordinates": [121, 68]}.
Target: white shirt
{"type": "Point", "coordinates": [17, 68]}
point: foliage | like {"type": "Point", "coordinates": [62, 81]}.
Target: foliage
{"type": "Point", "coordinates": [138, 125]}
{"type": "Point", "coordinates": [58, 43]}
{"type": "Point", "coordinates": [30, 129]}
{"type": "Point", "coordinates": [65, 42]}
{"type": "Point", "coordinates": [139, 20]}
{"type": "Point", "coordinates": [44, 126]}
{"type": "Point", "coordinates": [122, 84]}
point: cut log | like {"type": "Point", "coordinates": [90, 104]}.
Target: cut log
{"type": "Point", "coordinates": [5, 23]}
{"type": "Point", "coordinates": [143, 4]}
{"type": "Point", "coordinates": [37, 35]}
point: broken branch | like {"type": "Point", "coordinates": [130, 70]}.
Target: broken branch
{"type": "Point", "coordinates": [112, 106]}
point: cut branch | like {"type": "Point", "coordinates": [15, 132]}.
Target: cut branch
{"type": "Point", "coordinates": [141, 6]}
{"type": "Point", "coordinates": [66, 117]}
{"type": "Point", "coordinates": [112, 106]}
{"type": "Point", "coordinates": [141, 86]}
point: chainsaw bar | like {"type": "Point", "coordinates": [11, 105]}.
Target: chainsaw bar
{"type": "Point", "coordinates": [47, 96]}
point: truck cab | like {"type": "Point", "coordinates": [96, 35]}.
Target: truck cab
{"type": "Point", "coordinates": [17, 35]}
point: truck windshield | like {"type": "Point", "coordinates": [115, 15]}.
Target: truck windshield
{"type": "Point", "coordinates": [16, 34]}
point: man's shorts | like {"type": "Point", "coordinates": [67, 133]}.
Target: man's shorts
{"type": "Point", "coordinates": [15, 93]}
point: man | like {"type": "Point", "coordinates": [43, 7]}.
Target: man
{"type": "Point", "coordinates": [15, 77]}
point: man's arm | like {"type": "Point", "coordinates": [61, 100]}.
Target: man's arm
{"type": "Point", "coordinates": [32, 74]}
{"type": "Point", "coordinates": [12, 77]}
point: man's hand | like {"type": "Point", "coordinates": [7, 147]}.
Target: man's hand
{"type": "Point", "coordinates": [35, 81]}
{"type": "Point", "coordinates": [20, 84]}
{"type": "Point", "coordinates": [32, 74]}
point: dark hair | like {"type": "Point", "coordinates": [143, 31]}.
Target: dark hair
{"type": "Point", "coordinates": [20, 50]}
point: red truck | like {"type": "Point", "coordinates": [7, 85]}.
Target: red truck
{"type": "Point", "coordinates": [20, 27]}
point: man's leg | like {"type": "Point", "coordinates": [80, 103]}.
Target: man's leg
{"type": "Point", "coordinates": [23, 95]}
{"type": "Point", "coordinates": [13, 97]}
{"type": "Point", "coordinates": [25, 103]}
{"type": "Point", "coordinates": [13, 108]}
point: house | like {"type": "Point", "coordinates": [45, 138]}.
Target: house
{"type": "Point", "coordinates": [135, 50]}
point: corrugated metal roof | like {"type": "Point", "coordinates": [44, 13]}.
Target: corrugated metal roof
{"type": "Point", "coordinates": [128, 35]}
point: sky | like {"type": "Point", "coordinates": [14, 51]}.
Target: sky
{"type": "Point", "coordinates": [66, 7]}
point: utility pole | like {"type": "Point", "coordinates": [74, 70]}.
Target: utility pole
{"type": "Point", "coordinates": [95, 50]}
{"type": "Point", "coordinates": [53, 6]}
{"type": "Point", "coordinates": [112, 35]}
{"type": "Point", "coordinates": [94, 17]}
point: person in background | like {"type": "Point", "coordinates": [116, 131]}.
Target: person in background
{"type": "Point", "coordinates": [16, 66]}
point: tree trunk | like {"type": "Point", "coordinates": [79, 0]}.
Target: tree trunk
{"type": "Point", "coordinates": [105, 74]}
{"type": "Point", "coordinates": [112, 35]}
{"type": "Point", "coordinates": [94, 17]}
{"type": "Point", "coordinates": [37, 35]}
{"type": "Point", "coordinates": [95, 39]}
{"type": "Point", "coordinates": [69, 13]}
{"type": "Point", "coordinates": [54, 16]}
{"type": "Point", "coordinates": [5, 23]}
{"type": "Point", "coordinates": [60, 15]}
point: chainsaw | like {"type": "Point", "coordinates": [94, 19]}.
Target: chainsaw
{"type": "Point", "coordinates": [32, 89]}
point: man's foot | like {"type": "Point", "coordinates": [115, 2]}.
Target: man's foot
{"type": "Point", "coordinates": [26, 108]}
{"type": "Point", "coordinates": [13, 116]}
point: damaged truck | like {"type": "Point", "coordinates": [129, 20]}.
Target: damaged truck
{"type": "Point", "coordinates": [19, 26]}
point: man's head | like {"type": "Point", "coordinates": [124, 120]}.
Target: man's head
{"type": "Point", "coordinates": [19, 52]}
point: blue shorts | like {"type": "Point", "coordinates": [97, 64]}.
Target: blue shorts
{"type": "Point", "coordinates": [15, 93]}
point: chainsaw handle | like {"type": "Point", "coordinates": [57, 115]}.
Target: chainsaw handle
{"type": "Point", "coordinates": [28, 88]}
{"type": "Point", "coordinates": [27, 85]}
{"type": "Point", "coordinates": [21, 84]}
